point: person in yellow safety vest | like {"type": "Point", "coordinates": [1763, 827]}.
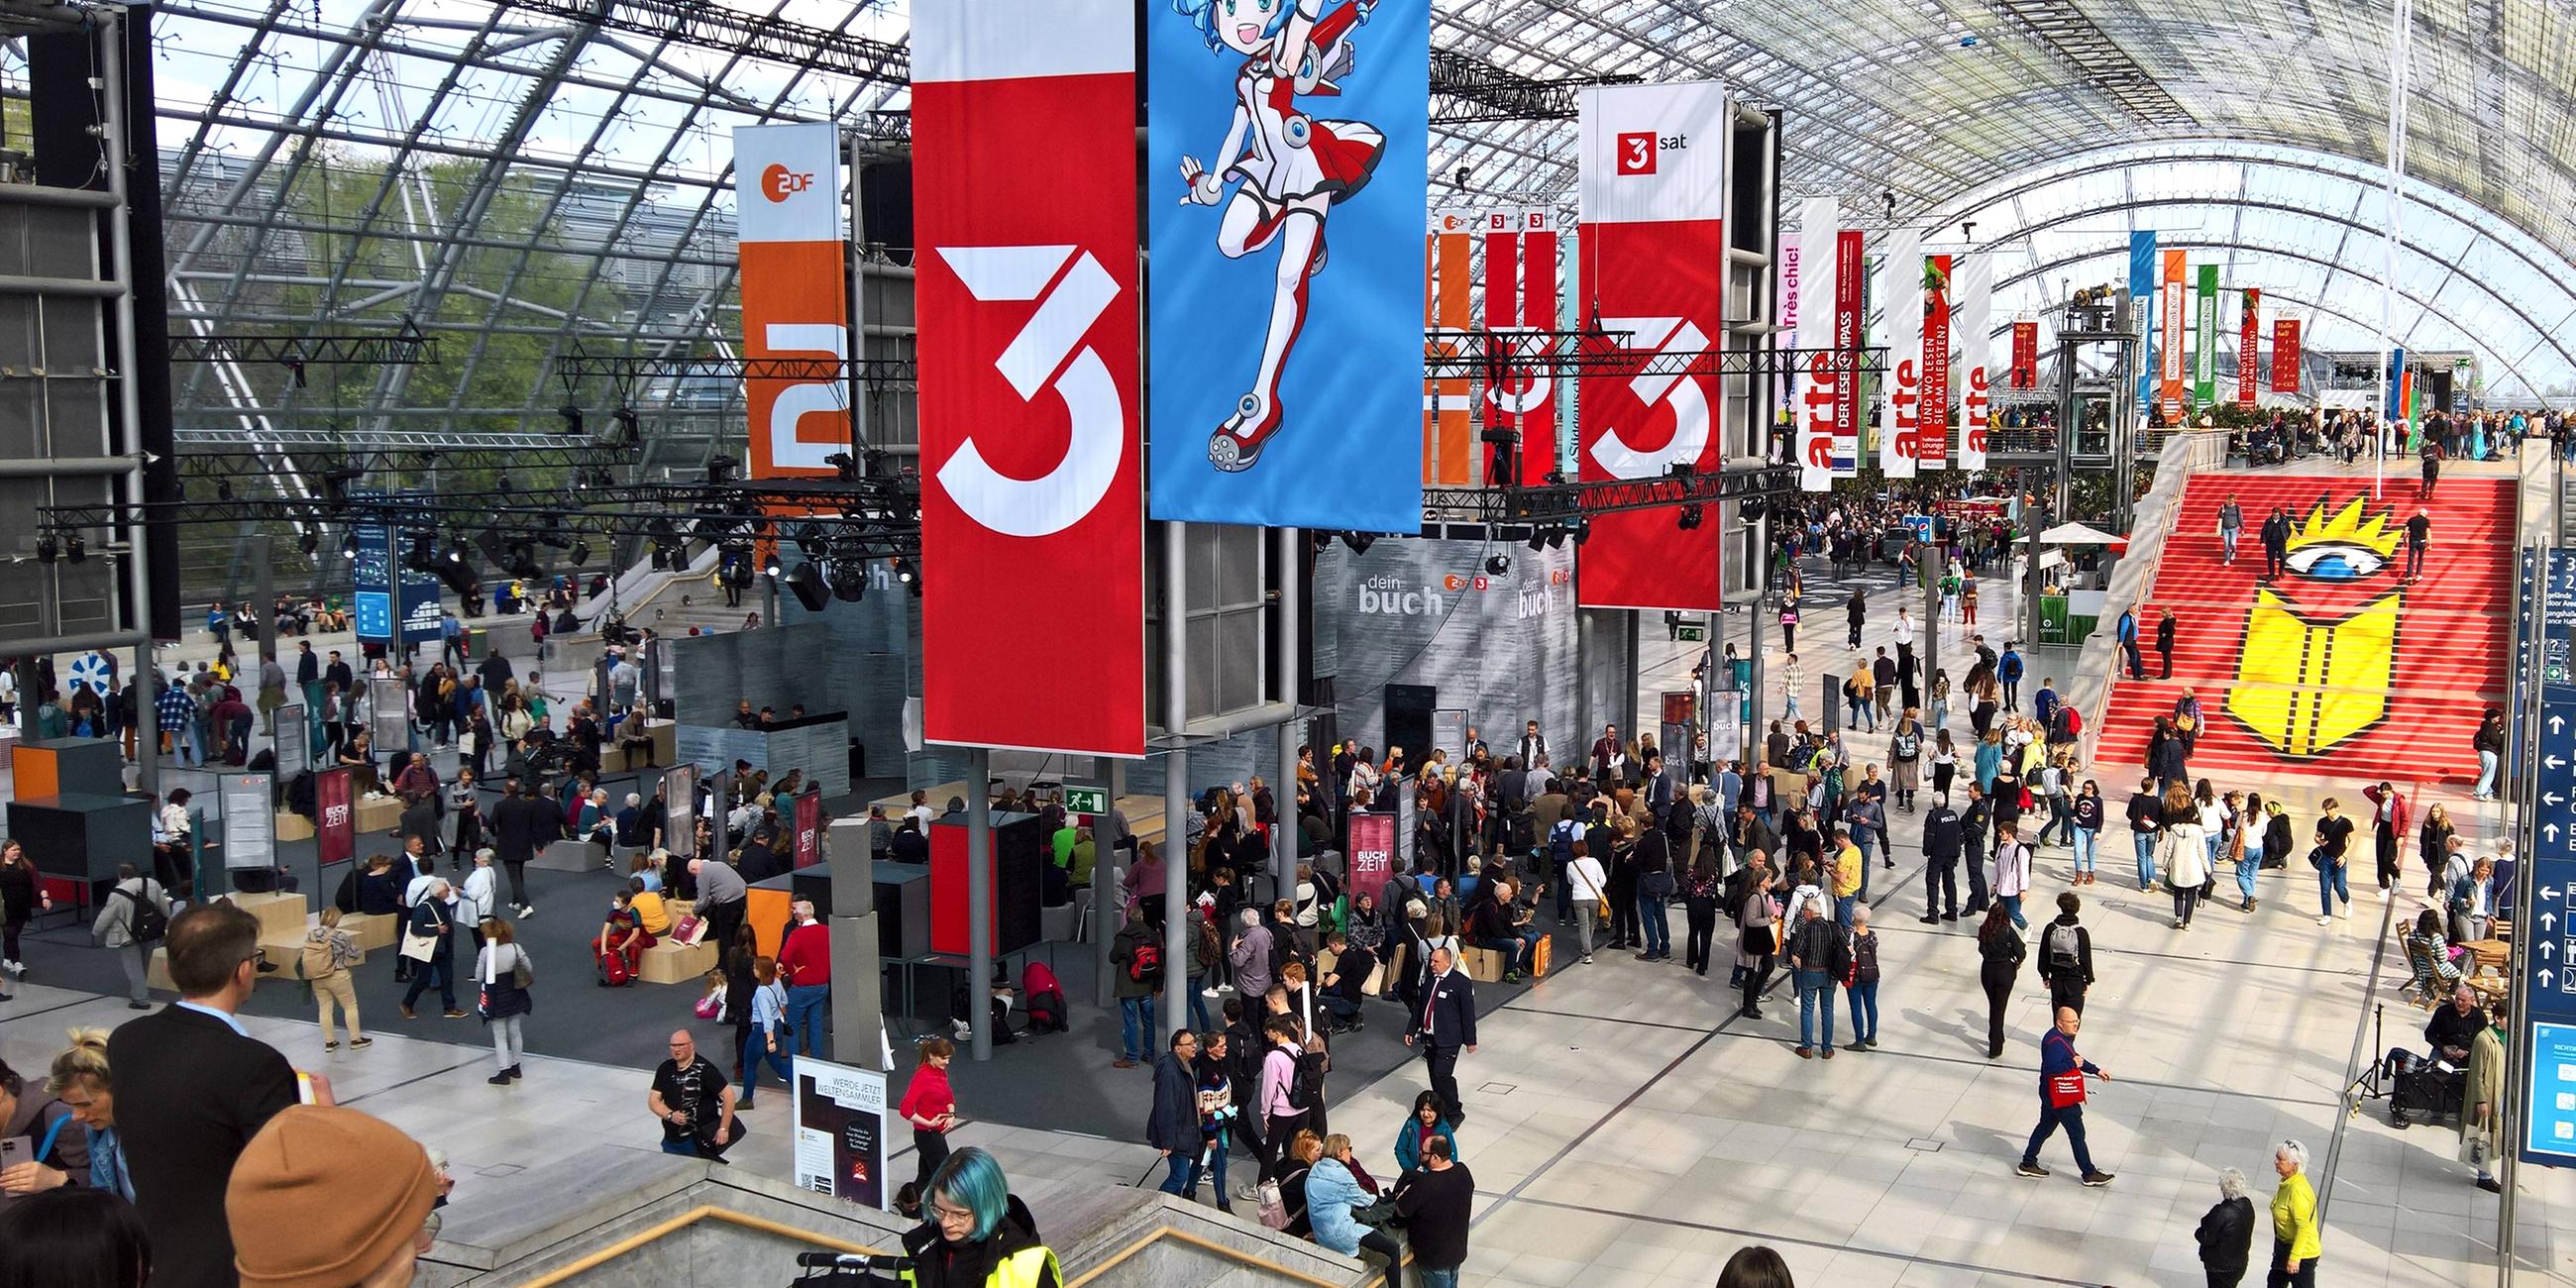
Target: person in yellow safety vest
{"type": "Point", "coordinates": [978, 1234]}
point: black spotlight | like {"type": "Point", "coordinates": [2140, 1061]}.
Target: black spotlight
{"type": "Point", "coordinates": [423, 556]}
{"type": "Point", "coordinates": [523, 561]}
{"type": "Point", "coordinates": [496, 549]}
{"type": "Point", "coordinates": [571, 419]}
{"type": "Point", "coordinates": [1498, 564]}
{"type": "Point", "coordinates": [719, 468]}
{"type": "Point", "coordinates": [848, 578]}
{"type": "Point", "coordinates": [349, 545]}
{"type": "Point", "coordinates": [1537, 540]}
{"type": "Point", "coordinates": [805, 581]}
{"type": "Point", "coordinates": [1691, 515]}
{"type": "Point", "coordinates": [46, 550]}
{"type": "Point", "coordinates": [1583, 532]}
{"type": "Point", "coordinates": [903, 570]}
{"type": "Point", "coordinates": [309, 542]}
{"type": "Point", "coordinates": [769, 567]}
{"type": "Point", "coordinates": [1556, 539]}
{"type": "Point", "coordinates": [810, 539]}
{"type": "Point", "coordinates": [844, 466]}
{"type": "Point", "coordinates": [626, 434]}
{"type": "Point", "coordinates": [580, 552]}
{"type": "Point", "coordinates": [75, 547]}
{"type": "Point", "coordinates": [459, 554]}
{"type": "Point", "coordinates": [1359, 542]}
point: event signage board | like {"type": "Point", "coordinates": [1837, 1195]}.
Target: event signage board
{"type": "Point", "coordinates": [1653, 250]}
{"type": "Point", "coordinates": [388, 718]}
{"type": "Point", "coordinates": [1372, 849]}
{"type": "Point", "coordinates": [2249, 345]}
{"type": "Point", "coordinates": [2142, 312]}
{"type": "Point", "coordinates": [250, 821]}
{"type": "Point", "coordinates": [795, 308]}
{"type": "Point", "coordinates": [1029, 391]}
{"type": "Point", "coordinates": [1848, 299]}
{"type": "Point", "coordinates": [2025, 355]}
{"type": "Point", "coordinates": [294, 755]}
{"type": "Point", "coordinates": [1277, 367]}
{"type": "Point", "coordinates": [2204, 340]}
{"type": "Point", "coordinates": [1901, 296]}
{"type": "Point", "coordinates": [2169, 357]}
{"type": "Point", "coordinates": [1819, 233]}
{"type": "Point", "coordinates": [1976, 302]}
{"type": "Point", "coordinates": [1932, 409]}
{"type": "Point", "coordinates": [809, 829]}
{"type": "Point", "coordinates": [378, 572]}
{"type": "Point", "coordinates": [679, 811]}
{"type": "Point", "coordinates": [2285, 355]}
{"type": "Point", "coordinates": [2548, 983]}
{"type": "Point", "coordinates": [840, 1130]}
{"type": "Point", "coordinates": [335, 816]}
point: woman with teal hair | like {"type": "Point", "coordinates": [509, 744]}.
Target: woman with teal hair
{"type": "Point", "coordinates": [978, 1234]}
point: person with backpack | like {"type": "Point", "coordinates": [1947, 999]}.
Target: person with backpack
{"type": "Point", "coordinates": [2012, 870]}
{"type": "Point", "coordinates": [2066, 956]}
{"type": "Point", "coordinates": [502, 973]}
{"type": "Point", "coordinates": [131, 922]}
{"type": "Point", "coordinates": [1860, 980]}
{"type": "Point", "coordinates": [1281, 1112]}
{"type": "Point", "coordinates": [324, 963]}
{"type": "Point", "coordinates": [1138, 961]}
{"type": "Point", "coordinates": [1819, 955]}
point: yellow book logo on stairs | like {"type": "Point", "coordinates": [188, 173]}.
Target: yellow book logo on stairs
{"type": "Point", "coordinates": [2316, 672]}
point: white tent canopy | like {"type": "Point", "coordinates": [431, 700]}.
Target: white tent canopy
{"type": "Point", "coordinates": [2076, 534]}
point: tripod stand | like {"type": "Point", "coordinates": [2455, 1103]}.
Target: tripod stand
{"type": "Point", "coordinates": [2369, 1083]}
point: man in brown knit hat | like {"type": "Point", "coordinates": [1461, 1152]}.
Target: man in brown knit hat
{"type": "Point", "coordinates": [325, 1197]}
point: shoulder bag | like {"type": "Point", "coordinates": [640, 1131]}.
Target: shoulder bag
{"type": "Point", "coordinates": [419, 947]}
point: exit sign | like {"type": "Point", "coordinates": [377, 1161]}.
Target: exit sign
{"type": "Point", "coordinates": [1693, 635]}
{"type": "Point", "coordinates": [1086, 800]}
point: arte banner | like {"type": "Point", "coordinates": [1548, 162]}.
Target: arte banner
{"type": "Point", "coordinates": [1029, 389]}
{"type": "Point", "coordinates": [795, 301]}
{"type": "Point", "coordinates": [2248, 345]}
{"type": "Point", "coordinates": [1932, 411]}
{"type": "Point", "coordinates": [1849, 267]}
{"type": "Point", "coordinates": [1900, 300]}
{"type": "Point", "coordinates": [2204, 349]}
{"type": "Point", "coordinates": [2025, 355]}
{"type": "Point", "coordinates": [2169, 357]}
{"type": "Point", "coordinates": [1819, 233]}
{"type": "Point", "coordinates": [2142, 312]}
{"type": "Point", "coordinates": [2285, 355]}
{"type": "Point", "coordinates": [1286, 320]}
{"type": "Point", "coordinates": [335, 817]}
{"type": "Point", "coordinates": [1975, 289]}
{"type": "Point", "coordinates": [1654, 269]}
{"type": "Point", "coordinates": [1372, 850]}
{"type": "Point", "coordinates": [1520, 313]}
{"type": "Point", "coordinates": [1448, 431]}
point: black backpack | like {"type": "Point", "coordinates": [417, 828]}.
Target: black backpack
{"type": "Point", "coordinates": [1838, 958]}
{"type": "Point", "coordinates": [150, 921]}
{"type": "Point", "coordinates": [1306, 1089]}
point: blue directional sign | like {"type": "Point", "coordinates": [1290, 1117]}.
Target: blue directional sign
{"type": "Point", "coordinates": [2548, 985]}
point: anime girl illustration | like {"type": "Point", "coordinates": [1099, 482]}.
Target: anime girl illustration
{"type": "Point", "coordinates": [1292, 170]}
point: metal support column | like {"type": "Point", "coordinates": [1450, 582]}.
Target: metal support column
{"type": "Point", "coordinates": [1935, 567]}
{"type": "Point", "coordinates": [2034, 518]}
{"type": "Point", "coordinates": [1286, 835]}
{"type": "Point", "coordinates": [979, 900]}
{"type": "Point", "coordinates": [1176, 903]}
{"type": "Point", "coordinates": [138, 582]}
{"type": "Point", "coordinates": [1104, 888]}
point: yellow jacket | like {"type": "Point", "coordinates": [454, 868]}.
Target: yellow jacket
{"type": "Point", "coordinates": [2294, 1216]}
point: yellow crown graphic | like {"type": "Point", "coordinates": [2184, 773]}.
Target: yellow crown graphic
{"type": "Point", "coordinates": [2348, 527]}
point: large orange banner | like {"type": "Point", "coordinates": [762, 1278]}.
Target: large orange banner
{"type": "Point", "coordinates": [795, 306]}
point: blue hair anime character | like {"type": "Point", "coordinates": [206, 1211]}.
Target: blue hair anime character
{"type": "Point", "coordinates": [1288, 171]}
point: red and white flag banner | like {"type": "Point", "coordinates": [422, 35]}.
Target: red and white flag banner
{"type": "Point", "coordinates": [1819, 234]}
{"type": "Point", "coordinates": [1932, 416]}
{"type": "Point", "coordinates": [2285, 355]}
{"type": "Point", "coordinates": [1900, 296]}
{"type": "Point", "coordinates": [1520, 309]}
{"type": "Point", "coordinates": [1973, 286]}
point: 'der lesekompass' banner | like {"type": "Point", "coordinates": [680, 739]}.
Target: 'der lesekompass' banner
{"type": "Point", "coordinates": [1028, 314]}
{"type": "Point", "coordinates": [1287, 150]}
{"type": "Point", "coordinates": [795, 305]}
{"type": "Point", "coordinates": [1653, 249]}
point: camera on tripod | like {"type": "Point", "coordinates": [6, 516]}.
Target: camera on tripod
{"type": "Point", "coordinates": [848, 1270]}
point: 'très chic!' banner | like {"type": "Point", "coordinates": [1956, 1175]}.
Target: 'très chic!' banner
{"type": "Point", "coordinates": [795, 304]}
{"type": "Point", "coordinates": [1288, 148]}
{"type": "Point", "coordinates": [1029, 383]}
{"type": "Point", "coordinates": [1654, 268]}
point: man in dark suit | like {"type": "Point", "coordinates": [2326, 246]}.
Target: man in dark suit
{"type": "Point", "coordinates": [1445, 1022]}
{"type": "Point", "coordinates": [192, 1089]}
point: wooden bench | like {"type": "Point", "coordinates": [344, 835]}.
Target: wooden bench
{"type": "Point", "coordinates": [671, 962]}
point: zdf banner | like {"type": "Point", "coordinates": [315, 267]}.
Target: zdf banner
{"type": "Point", "coordinates": [795, 307]}
{"type": "Point", "coordinates": [1287, 149]}
{"type": "Point", "coordinates": [1653, 247]}
{"type": "Point", "coordinates": [1029, 383]}
{"type": "Point", "coordinates": [1900, 295]}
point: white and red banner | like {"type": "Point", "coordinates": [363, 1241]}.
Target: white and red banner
{"type": "Point", "coordinates": [2249, 345]}
{"type": "Point", "coordinates": [1932, 415]}
{"type": "Point", "coordinates": [1372, 851]}
{"type": "Point", "coordinates": [2025, 355]}
{"type": "Point", "coordinates": [795, 299]}
{"type": "Point", "coordinates": [1819, 233]}
{"type": "Point", "coordinates": [1448, 314]}
{"type": "Point", "coordinates": [1900, 298]}
{"type": "Point", "coordinates": [1029, 384]}
{"type": "Point", "coordinates": [1973, 287]}
{"type": "Point", "coordinates": [1520, 309]}
{"type": "Point", "coordinates": [1849, 266]}
{"type": "Point", "coordinates": [2285, 355]}
{"type": "Point", "coordinates": [1653, 266]}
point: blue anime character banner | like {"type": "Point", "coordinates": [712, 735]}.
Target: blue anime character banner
{"type": "Point", "coordinates": [1286, 164]}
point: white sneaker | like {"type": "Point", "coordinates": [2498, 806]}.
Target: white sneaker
{"type": "Point", "coordinates": [1207, 992]}
{"type": "Point", "coordinates": [2344, 910]}
{"type": "Point", "coordinates": [2325, 921]}
{"type": "Point", "coordinates": [18, 969]}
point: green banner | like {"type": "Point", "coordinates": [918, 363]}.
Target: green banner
{"type": "Point", "coordinates": [2204, 352]}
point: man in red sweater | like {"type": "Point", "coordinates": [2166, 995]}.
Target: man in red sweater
{"type": "Point", "coordinates": [805, 962]}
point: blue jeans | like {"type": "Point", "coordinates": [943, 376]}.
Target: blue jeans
{"type": "Point", "coordinates": [755, 1048]}
{"type": "Point", "coordinates": [1177, 1181]}
{"type": "Point", "coordinates": [2245, 870]}
{"type": "Point", "coordinates": [1198, 1003]}
{"type": "Point", "coordinates": [2331, 886]}
{"type": "Point", "coordinates": [1843, 905]}
{"type": "Point", "coordinates": [1864, 1009]}
{"type": "Point", "coordinates": [2012, 906]}
{"type": "Point", "coordinates": [1860, 840]}
{"type": "Point", "coordinates": [2050, 1119]}
{"type": "Point", "coordinates": [2212, 840]}
{"type": "Point", "coordinates": [1136, 1027]}
{"type": "Point", "coordinates": [2487, 765]}
{"type": "Point", "coordinates": [1446, 1277]}
{"type": "Point", "coordinates": [1211, 1162]}
{"type": "Point", "coordinates": [2085, 839]}
{"type": "Point", "coordinates": [2146, 843]}
{"type": "Point", "coordinates": [1652, 917]}
{"type": "Point", "coordinates": [806, 1008]}
{"type": "Point", "coordinates": [1815, 994]}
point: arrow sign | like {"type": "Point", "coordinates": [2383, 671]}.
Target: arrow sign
{"type": "Point", "coordinates": [2548, 949]}
{"type": "Point", "coordinates": [2544, 977]}
{"type": "Point", "coordinates": [2554, 762]}
{"type": "Point", "coordinates": [2549, 892]}
{"type": "Point", "coordinates": [2552, 798]}
{"type": "Point", "coordinates": [2549, 833]}
{"type": "Point", "coordinates": [2548, 921]}
{"type": "Point", "coordinates": [2557, 724]}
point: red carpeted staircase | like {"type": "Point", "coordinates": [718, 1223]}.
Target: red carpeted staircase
{"type": "Point", "coordinates": [2349, 671]}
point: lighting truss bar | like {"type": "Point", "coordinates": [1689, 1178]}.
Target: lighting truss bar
{"type": "Point", "coordinates": [2062, 27]}
{"type": "Point", "coordinates": [626, 371]}
{"type": "Point", "coordinates": [713, 26]}
{"type": "Point", "coordinates": [1563, 504]}
{"type": "Point", "coordinates": [1490, 355]}
{"type": "Point", "coordinates": [1466, 89]}
{"type": "Point", "coordinates": [220, 440]}
{"type": "Point", "coordinates": [410, 349]}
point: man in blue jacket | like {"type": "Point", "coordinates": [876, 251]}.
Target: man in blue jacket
{"type": "Point", "coordinates": [1173, 1127]}
{"type": "Point", "coordinates": [2064, 1070]}
{"type": "Point", "coordinates": [2128, 638]}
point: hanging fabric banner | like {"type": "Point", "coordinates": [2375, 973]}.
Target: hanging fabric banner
{"type": "Point", "coordinates": [1447, 316]}
{"type": "Point", "coordinates": [2204, 351]}
{"type": "Point", "coordinates": [1932, 437]}
{"type": "Point", "coordinates": [2170, 367]}
{"type": "Point", "coordinates": [1849, 267]}
{"type": "Point", "coordinates": [2025, 355]}
{"type": "Point", "coordinates": [795, 302]}
{"type": "Point", "coordinates": [1819, 393]}
{"type": "Point", "coordinates": [1784, 293]}
{"type": "Point", "coordinates": [1974, 278]}
{"type": "Point", "coordinates": [2142, 314]}
{"type": "Point", "coordinates": [1285, 298]}
{"type": "Point", "coordinates": [2249, 345]}
{"type": "Point", "coordinates": [2398, 391]}
{"type": "Point", "coordinates": [1029, 390]}
{"type": "Point", "coordinates": [2285, 355]}
{"type": "Point", "coordinates": [1653, 250]}
{"type": "Point", "coordinates": [1520, 311]}
{"type": "Point", "coordinates": [1900, 300]}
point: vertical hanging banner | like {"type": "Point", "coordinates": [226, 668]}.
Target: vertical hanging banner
{"type": "Point", "coordinates": [1784, 293]}
{"type": "Point", "coordinates": [1447, 293]}
{"type": "Point", "coordinates": [1653, 266]}
{"type": "Point", "coordinates": [1819, 232]}
{"type": "Point", "coordinates": [1975, 290]}
{"type": "Point", "coordinates": [1520, 309]}
{"type": "Point", "coordinates": [1932, 408]}
{"type": "Point", "coordinates": [1848, 317]}
{"type": "Point", "coordinates": [2204, 340]}
{"type": "Point", "coordinates": [2025, 355]}
{"type": "Point", "coordinates": [1900, 302]}
{"type": "Point", "coordinates": [1028, 318]}
{"type": "Point", "coordinates": [335, 817]}
{"type": "Point", "coordinates": [2285, 355]}
{"type": "Point", "coordinates": [795, 301]}
{"type": "Point", "coordinates": [1286, 330]}
{"type": "Point", "coordinates": [2249, 345]}
{"type": "Point", "coordinates": [2169, 355]}
{"type": "Point", "coordinates": [2142, 313]}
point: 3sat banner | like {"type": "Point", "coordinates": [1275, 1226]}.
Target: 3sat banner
{"type": "Point", "coordinates": [1029, 394]}
{"type": "Point", "coordinates": [1653, 252]}
{"type": "Point", "coordinates": [1288, 145]}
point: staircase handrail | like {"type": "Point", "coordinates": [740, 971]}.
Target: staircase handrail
{"type": "Point", "coordinates": [2135, 574]}
{"type": "Point", "coordinates": [637, 585]}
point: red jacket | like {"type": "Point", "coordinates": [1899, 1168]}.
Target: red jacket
{"type": "Point", "coordinates": [805, 960]}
